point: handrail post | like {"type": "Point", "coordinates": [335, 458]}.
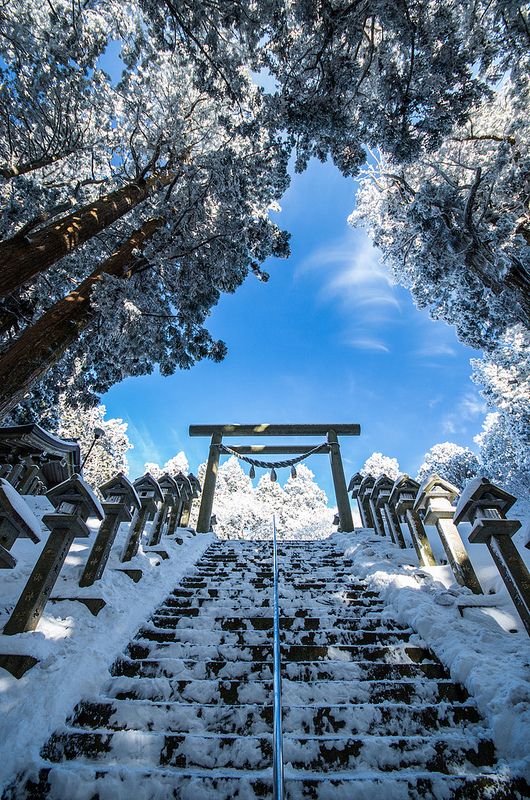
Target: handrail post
{"type": "Point", "coordinates": [277, 738]}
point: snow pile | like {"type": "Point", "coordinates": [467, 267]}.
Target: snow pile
{"type": "Point", "coordinates": [493, 664]}
{"type": "Point", "coordinates": [21, 507]}
{"type": "Point", "coordinates": [76, 649]}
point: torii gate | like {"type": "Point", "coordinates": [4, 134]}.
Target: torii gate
{"type": "Point", "coordinates": [331, 431]}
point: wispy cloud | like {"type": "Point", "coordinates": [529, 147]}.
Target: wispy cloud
{"type": "Point", "coordinates": [434, 349]}
{"type": "Point", "coordinates": [367, 344]}
{"type": "Point", "coordinates": [468, 408]}
{"type": "Point", "coordinates": [353, 271]}
{"type": "Point", "coordinates": [353, 278]}
{"type": "Point", "coordinates": [144, 444]}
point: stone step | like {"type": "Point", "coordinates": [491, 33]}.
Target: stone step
{"type": "Point", "coordinates": [323, 637]}
{"type": "Point", "coordinates": [264, 623]}
{"type": "Point", "coordinates": [294, 692]}
{"type": "Point", "coordinates": [294, 652]}
{"type": "Point", "coordinates": [188, 669]}
{"type": "Point", "coordinates": [235, 593]}
{"type": "Point", "coordinates": [360, 719]}
{"type": "Point", "coordinates": [207, 607]}
{"type": "Point", "coordinates": [70, 780]}
{"type": "Point", "coordinates": [440, 752]}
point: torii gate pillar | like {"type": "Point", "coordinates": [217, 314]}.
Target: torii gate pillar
{"type": "Point", "coordinates": [208, 488]}
{"type": "Point", "coordinates": [339, 484]}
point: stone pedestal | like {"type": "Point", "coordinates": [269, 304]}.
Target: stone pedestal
{"type": "Point", "coordinates": [99, 555]}
{"type": "Point", "coordinates": [434, 499]}
{"type": "Point", "coordinates": [485, 505]}
{"type": "Point", "coordinates": [28, 610]}
{"type": "Point", "coordinates": [419, 538]}
{"type": "Point", "coordinates": [137, 528]}
{"type": "Point", "coordinates": [393, 526]}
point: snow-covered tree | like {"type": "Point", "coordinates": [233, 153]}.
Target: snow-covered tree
{"type": "Point", "coordinates": [243, 511]}
{"type": "Point", "coordinates": [450, 461]}
{"type": "Point", "coordinates": [174, 465]}
{"type": "Point", "coordinates": [109, 452]}
{"type": "Point", "coordinates": [454, 226]}
{"type": "Point", "coordinates": [502, 459]}
{"type": "Point", "coordinates": [504, 377]}
{"type": "Point", "coordinates": [186, 218]}
{"type": "Point", "coordinates": [306, 506]}
{"type": "Point", "coordinates": [378, 464]}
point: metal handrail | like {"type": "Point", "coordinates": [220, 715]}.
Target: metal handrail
{"type": "Point", "coordinates": [277, 737]}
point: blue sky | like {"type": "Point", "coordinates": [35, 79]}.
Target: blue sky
{"type": "Point", "coordinates": [327, 339]}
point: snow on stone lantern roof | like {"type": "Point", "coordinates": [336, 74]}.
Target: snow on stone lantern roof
{"type": "Point", "coordinates": [75, 490]}
{"type": "Point", "coordinates": [14, 511]}
{"type": "Point", "coordinates": [481, 492]}
{"type": "Point", "coordinates": [62, 457]}
{"type": "Point", "coordinates": [365, 486]}
{"type": "Point", "coordinates": [186, 486]}
{"type": "Point", "coordinates": [381, 489]}
{"type": "Point", "coordinates": [434, 486]}
{"type": "Point", "coordinates": [146, 483]}
{"type": "Point", "coordinates": [120, 485]}
{"type": "Point", "coordinates": [168, 484]}
{"type": "Point", "coordinates": [195, 484]}
{"type": "Point", "coordinates": [403, 483]}
{"type": "Point", "coordinates": [355, 483]}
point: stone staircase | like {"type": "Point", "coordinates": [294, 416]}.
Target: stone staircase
{"type": "Point", "coordinates": [369, 712]}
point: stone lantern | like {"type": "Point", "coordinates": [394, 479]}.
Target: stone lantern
{"type": "Point", "coordinates": [434, 502]}
{"type": "Point", "coordinates": [120, 502]}
{"type": "Point", "coordinates": [401, 500]}
{"type": "Point", "coordinates": [150, 496]}
{"type": "Point", "coordinates": [190, 488]}
{"type": "Point", "coordinates": [16, 520]}
{"type": "Point", "coordinates": [484, 505]}
{"type": "Point", "coordinates": [171, 497]}
{"type": "Point", "coordinates": [380, 494]}
{"type": "Point", "coordinates": [353, 487]}
{"type": "Point", "coordinates": [74, 503]}
{"type": "Point", "coordinates": [363, 499]}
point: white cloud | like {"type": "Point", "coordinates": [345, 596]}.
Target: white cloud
{"type": "Point", "coordinates": [353, 273]}
{"type": "Point", "coordinates": [436, 349]}
{"type": "Point", "coordinates": [367, 344]}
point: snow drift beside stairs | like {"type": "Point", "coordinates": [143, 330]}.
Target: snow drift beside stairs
{"type": "Point", "coordinates": [492, 663]}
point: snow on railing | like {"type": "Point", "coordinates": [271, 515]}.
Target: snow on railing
{"type": "Point", "coordinates": [277, 736]}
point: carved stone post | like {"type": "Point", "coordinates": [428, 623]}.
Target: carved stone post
{"type": "Point", "coordinates": [363, 500]}
{"type": "Point", "coordinates": [208, 490]}
{"type": "Point", "coordinates": [401, 500]}
{"type": "Point", "coordinates": [176, 513]}
{"type": "Point", "coordinates": [435, 498]}
{"type": "Point", "coordinates": [150, 494]}
{"type": "Point", "coordinates": [380, 496]}
{"type": "Point", "coordinates": [485, 506]}
{"type": "Point", "coordinates": [339, 483]}
{"type": "Point", "coordinates": [75, 504]}
{"type": "Point", "coordinates": [170, 492]}
{"type": "Point", "coordinates": [16, 519]}
{"type": "Point", "coordinates": [120, 500]}
{"type": "Point", "coordinates": [353, 487]}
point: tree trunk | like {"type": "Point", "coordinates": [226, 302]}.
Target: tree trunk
{"type": "Point", "coordinates": [42, 344]}
{"type": "Point", "coordinates": [22, 259]}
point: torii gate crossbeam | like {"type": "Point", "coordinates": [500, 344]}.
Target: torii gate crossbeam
{"type": "Point", "coordinates": [268, 429]}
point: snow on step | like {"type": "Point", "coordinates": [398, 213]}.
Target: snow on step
{"type": "Point", "coordinates": [187, 712]}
